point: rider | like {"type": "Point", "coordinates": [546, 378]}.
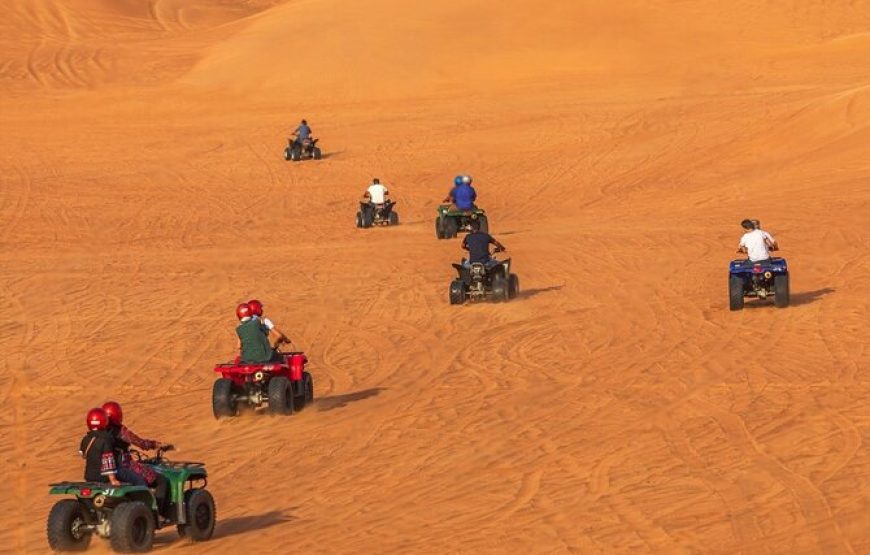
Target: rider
{"type": "Point", "coordinates": [268, 327]}
{"type": "Point", "coordinates": [463, 195]}
{"type": "Point", "coordinates": [377, 194]}
{"type": "Point", "coordinates": [97, 449]}
{"type": "Point", "coordinates": [254, 346]}
{"type": "Point", "coordinates": [477, 244]}
{"type": "Point", "coordinates": [756, 243]}
{"type": "Point", "coordinates": [301, 133]}
{"type": "Point", "coordinates": [131, 470]}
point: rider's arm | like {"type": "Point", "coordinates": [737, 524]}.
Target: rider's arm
{"type": "Point", "coordinates": [108, 466]}
{"type": "Point", "coordinates": [498, 245]}
{"type": "Point", "coordinates": [279, 333]}
{"type": "Point", "coordinates": [127, 435]}
{"type": "Point", "coordinates": [770, 241]}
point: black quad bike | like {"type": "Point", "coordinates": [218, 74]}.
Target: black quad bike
{"type": "Point", "coordinates": [478, 282]}
{"type": "Point", "coordinates": [306, 148]}
{"type": "Point", "coordinates": [371, 214]}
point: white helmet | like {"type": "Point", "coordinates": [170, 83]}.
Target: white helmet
{"type": "Point", "coordinates": [466, 179]}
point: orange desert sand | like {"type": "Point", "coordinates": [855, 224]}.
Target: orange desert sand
{"type": "Point", "coordinates": [617, 406]}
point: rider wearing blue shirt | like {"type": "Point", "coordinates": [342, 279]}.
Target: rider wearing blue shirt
{"type": "Point", "coordinates": [463, 195]}
{"type": "Point", "coordinates": [302, 132]}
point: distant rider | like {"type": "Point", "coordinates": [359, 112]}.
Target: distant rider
{"type": "Point", "coordinates": [463, 195]}
{"type": "Point", "coordinates": [477, 244]}
{"type": "Point", "coordinates": [97, 449]}
{"type": "Point", "coordinates": [130, 469]}
{"type": "Point", "coordinates": [268, 327]}
{"type": "Point", "coordinates": [301, 133]}
{"type": "Point", "coordinates": [377, 194]}
{"type": "Point", "coordinates": [756, 243]}
{"type": "Point", "coordinates": [254, 346]}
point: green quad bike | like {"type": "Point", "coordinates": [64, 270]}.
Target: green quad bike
{"type": "Point", "coordinates": [449, 222]}
{"type": "Point", "coordinates": [127, 514]}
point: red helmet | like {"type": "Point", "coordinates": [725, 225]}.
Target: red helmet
{"type": "Point", "coordinates": [256, 307]}
{"type": "Point", "coordinates": [113, 411]}
{"type": "Point", "coordinates": [243, 311]}
{"type": "Point", "coordinates": [97, 419]}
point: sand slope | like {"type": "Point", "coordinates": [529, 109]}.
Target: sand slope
{"type": "Point", "coordinates": [617, 406]}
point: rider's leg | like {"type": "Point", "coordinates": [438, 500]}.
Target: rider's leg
{"type": "Point", "coordinates": [129, 477]}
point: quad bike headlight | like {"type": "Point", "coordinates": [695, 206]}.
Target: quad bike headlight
{"type": "Point", "coordinates": [768, 275]}
{"type": "Point", "coordinates": [99, 500]}
{"type": "Point", "coordinates": [258, 376]}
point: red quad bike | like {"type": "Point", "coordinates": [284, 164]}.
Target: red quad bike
{"type": "Point", "coordinates": [285, 386]}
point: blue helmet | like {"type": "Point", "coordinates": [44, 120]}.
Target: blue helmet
{"type": "Point", "coordinates": [457, 180]}
{"type": "Point", "coordinates": [466, 179]}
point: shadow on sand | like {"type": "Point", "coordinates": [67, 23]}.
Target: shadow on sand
{"type": "Point", "coordinates": [528, 293]}
{"type": "Point", "coordinates": [338, 401]}
{"type": "Point", "coordinates": [251, 523]}
{"type": "Point", "coordinates": [807, 297]}
{"type": "Point", "coordinates": [231, 527]}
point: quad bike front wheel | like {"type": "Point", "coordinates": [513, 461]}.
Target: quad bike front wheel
{"type": "Point", "coordinates": [287, 153]}
{"type": "Point", "coordinates": [780, 291]}
{"type": "Point", "coordinates": [735, 293]}
{"type": "Point", "coordinates": [316, 154]}
{"type": "Point", "coordinates": [132, 528]}
{"type": "Point", "coordinates": [64, 526]}
{"type": "Point", "coordinates": [200, 514]}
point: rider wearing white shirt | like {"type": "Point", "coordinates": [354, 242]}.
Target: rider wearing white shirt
{"type": "Point", "coordinates": [376, 193]}
{"type": "Point", "coordinates": [756, 243]}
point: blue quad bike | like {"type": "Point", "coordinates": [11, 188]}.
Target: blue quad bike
{"type": "Point", "coordinates": [127, 515]}
{"type": "Point", "coordinates": [761, 280]}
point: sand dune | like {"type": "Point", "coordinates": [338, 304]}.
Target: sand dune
{"type": "Point", "coordinates": [617, 406]}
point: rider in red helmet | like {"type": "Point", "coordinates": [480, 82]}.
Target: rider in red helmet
{"type": "Point", "coordinates": [270, 328]}
{"type": "Point", "coordinates": [254, 346]}
{"type": "Point", "coordinates": [97, 449]}
{"type": "Point", "coordinates": [130, 469]}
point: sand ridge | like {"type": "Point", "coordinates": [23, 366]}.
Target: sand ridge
{"type": "Point", "coordinates": [617, 406]}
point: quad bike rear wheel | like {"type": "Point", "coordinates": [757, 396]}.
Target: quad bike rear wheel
{"type": "Point", "coordinates": [316, 154]}
{"type": "Point", "coordinates": [735, 293]}
{"type": "Point", "coordinates": [64, 526]}
{"type": "Point", "coordinates": [199, 513]}
{"type": "Point", "coordinates": [457, 291]}
{"type": "Point", "coordinates": [450, 228]}
{"type": "Point", "coordinates": [394, 218]}
{"type": "Point", "coordinates": [499, 289]}
{"type": "Point", "coordinates": [305, 391]}
{"type": "Point", "coordinates": [296, 153]}
{"type": "Point", "coordinates": [359, 219]}
{"type": "Point", "coordinates": [484, 223]}
{"type": "Point", "coordinates": [780, 291]}
{"type": "Point", "coordinates": [368, 218]}
{"type": "Point", "coordinates": [439, 229]}
{"type": "Point", "coordinates": [280, 395]}
{"type": "Point", "coordinates": [132, 528]}
{"type": "Point", "coordinates": [222, 401]}
{"type": "Point", "coordinates": [287, 153]}
{"type": "Point", "coordinates": [513, 286]}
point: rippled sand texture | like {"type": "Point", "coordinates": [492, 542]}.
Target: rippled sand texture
{"type": "Point", "coordinates": [617, 406]}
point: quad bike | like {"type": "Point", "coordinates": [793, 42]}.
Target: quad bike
{"type": "Point", "coordinates": [479, 281]}
{"type": "Point", "coordinates": [306, 148]}
{"type": "Point", "coordinates": [127, 515]}
{"type": "Point", "coordinates": [376, 214]}
{"type": "Point", "coordinates": [758, 279]}
{"type": "Point", "coordinates": [285, 386]}
{"type": "Point", "coordinates": [451, 221]}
